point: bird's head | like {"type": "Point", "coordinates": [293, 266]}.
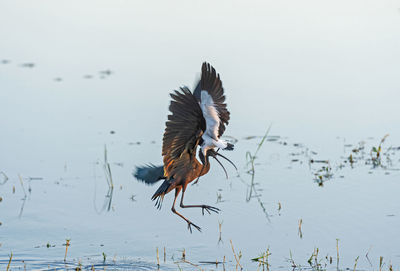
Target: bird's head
{"type": "Point", "coordinates": [205, 153]}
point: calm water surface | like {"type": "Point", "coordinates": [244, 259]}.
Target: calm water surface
{"type": "Point", "coordinates": [76, 77]}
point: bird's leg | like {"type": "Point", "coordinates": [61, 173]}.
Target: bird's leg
{"type": "Point", "coordinates": [202, 206]}
{"type": "Point", "coordinates": [177, 190]}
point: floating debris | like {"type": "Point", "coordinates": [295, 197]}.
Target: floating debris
{"type": "Point", "coordinates": [28, 65]}
{"type": "Point", "coordinates": [134, 143]}
{"type": "Point", "coordinates": [249, 137]}
{"type": "Point", "coordinates": [319, 161]}
{"type": "Point", "coordinates": [273, 138]}
{"type": "Point", "coordinates": [106, 72]}
{"type": "Point", "coordinates": [35, 178]}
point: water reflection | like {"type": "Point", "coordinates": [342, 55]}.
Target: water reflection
{"type": "Point", "coordinates": [4, 178]}
{"type": "Point", "coordinates": [252, 191]}
{"type": "Point", "coordinates": [24, 198]}
{"type": "Point", "coordinates": [107, 204]}
{"type": "Point", "coordinates": [21, 210]}
{"type": "Point", "coordinates": [108, 176]}
{"type": "Point", "coordinates": [88, 263]}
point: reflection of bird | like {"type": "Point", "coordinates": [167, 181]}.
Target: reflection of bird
{"type": "Point", "coordinates": [197, 119]}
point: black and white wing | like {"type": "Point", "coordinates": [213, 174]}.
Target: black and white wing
{"type": "Point", "coordinates": [212, 84]}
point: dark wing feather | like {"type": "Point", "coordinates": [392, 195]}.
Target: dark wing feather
{"type": "Point", "coordinates": [183, 130]}
{"type": "Point", "coordinates": [211, 82]}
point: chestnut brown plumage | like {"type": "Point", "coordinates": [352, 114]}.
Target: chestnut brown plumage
{"type": "Point", "coordinates": [185, 131]}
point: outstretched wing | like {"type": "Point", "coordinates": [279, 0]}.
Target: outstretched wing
{"type": "Point", "coordinates": [183, 131]}
{"type": "Point", "coordinates": [211, 83]}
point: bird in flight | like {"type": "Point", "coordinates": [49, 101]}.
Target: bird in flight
{"type": "Point", "coordinates": [197, 119]}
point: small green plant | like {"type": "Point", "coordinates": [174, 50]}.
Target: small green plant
{"type": "Point", "coordinates": [294, 265]}
{"type": "Point", "coordinates": [263, 259]}
{"type": "Point", "coordinates": [323, 174]}
{"type": "Point", "coordinates": [252, 191]}
{"type": "Point", "coordinates": [376, 152]}
{"type": "Point", "coordinates": [79, 267]}
{"type": "Point", "coordinates": [252, 157]}
{"type": "Point", "coordinates": [355, 263]}
{"type": "Point", "coordinates": [314, 262]}
{"type": "Point", "coordinates": [104, 257]}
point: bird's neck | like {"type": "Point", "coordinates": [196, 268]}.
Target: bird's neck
{"type": "Point", "coordinates": [203, 168]}
{"type": "Point", "coordinates": [206, 168]}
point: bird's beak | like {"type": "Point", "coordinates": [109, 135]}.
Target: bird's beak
{"type": "Point", "coordinates": [214, 154]}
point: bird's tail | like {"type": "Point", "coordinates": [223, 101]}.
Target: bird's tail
{"type": "Point", "coordinates": [164, 188]}
{"type": "Point", "coordinates": [149, 174]}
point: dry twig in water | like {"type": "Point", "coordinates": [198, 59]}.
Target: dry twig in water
{"type": "Point", "coordinates": [236, 258]}
{"type": "Point", "coordinates": [66, 249]}
{"type": "Point", "coordinates": [9, 262]}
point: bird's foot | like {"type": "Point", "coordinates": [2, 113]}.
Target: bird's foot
{"type": "Point", "coordinates": [209, 208]}
{"type": "Point", "coordinates": [190, 224]}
